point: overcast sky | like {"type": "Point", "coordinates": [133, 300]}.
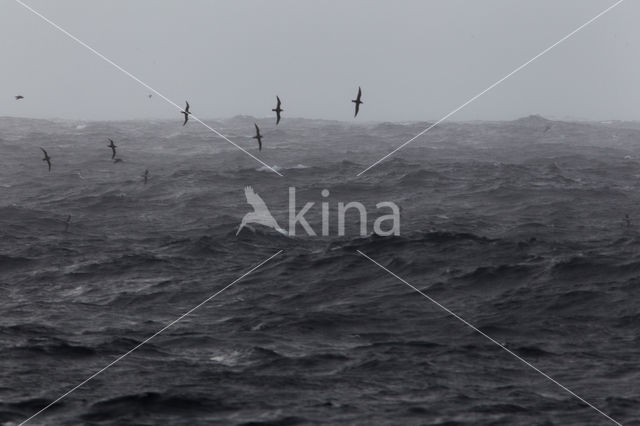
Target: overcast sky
{"type": "Point", "coordinates": [415, 60]}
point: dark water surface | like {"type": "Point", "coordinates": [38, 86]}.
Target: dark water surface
{"type": "Point", "coordinates": [518, 230]}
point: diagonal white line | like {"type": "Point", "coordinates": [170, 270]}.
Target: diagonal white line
{"type": "Point", "coordinates": [133, 77]}
{"type": "Point", "coordinates": [459, 318]}
{"type": "Point", "coordinates": [148, 339]}
{"type": "Point", "coordinates": [492, 86]}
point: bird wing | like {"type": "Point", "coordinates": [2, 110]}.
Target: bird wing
{"type": "Point", "coordinates": [359, 93]}
{"type": "Point", "coordinates": [278, 97]}
{"type": "Point", "coordinates": [257, 129]}
{"type": "Point", "coordinates": [45, 152]}
{"type": "Point", "coordinates": [255, 200]}
{"type": "Point", "coordinates": [187, 110]}
{"type": "Point", "coordinates": [357, 109]}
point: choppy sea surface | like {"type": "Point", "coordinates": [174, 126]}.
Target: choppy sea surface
{"type": "Point", "coordinates": [518, 227]}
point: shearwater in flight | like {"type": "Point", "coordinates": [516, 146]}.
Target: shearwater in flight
{"type": "Point", "coordinates": [46, 158]}
{"type": "Point", "coordinates": [258, 136]}
{"type": "Point", "coordinates": [278, 110]}
{"type": "Point", "coordinates": [186, 113]}
{"type": "Point", "coordinates": [357, 101]}
{"type": "Point", "coordinates": [113, 148]}
{"type": "Point", "coordinates": [18, 97]}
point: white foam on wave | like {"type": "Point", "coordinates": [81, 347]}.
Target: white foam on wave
{"type": "Point", "coordinates": [229, 358]}
{"type": "Point", "coordinates": [278, 168]}
{"type": "Point", "coordinates": [269, 169]}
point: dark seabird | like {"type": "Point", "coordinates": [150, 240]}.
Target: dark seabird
{"type": "Point", "coordinates": [150, 95]}
{"type": "Point", "coordinates": [186, 114]}
{"type": "Point", "coordinates": [19, 97]}
{"type": "Point", "coordinates": [66, 223]}
{"type": "Point", "coordinates": [46, 158]}
{"type": "Point", "coordinates": [357, 101]}
{"type": "Point", "coordinates": [258, 136]}
{"type": "Point", "coordinates": [146, 176]}
{"type": "Point", "coordinates": [113, 148]}
{"type": "Point", "coordinates": [278, 110]}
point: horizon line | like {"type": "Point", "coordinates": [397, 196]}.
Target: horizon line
{"type": "Point", "coordinates": [405, 122]}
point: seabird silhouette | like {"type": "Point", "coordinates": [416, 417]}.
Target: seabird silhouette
{"type": "Point", "coordinates": [357, 101]}
{"type": "Point", "coordinates": [46, 158]}
{"type": "Point", "coordinates": [18, 97]}
{"type": "Point", "coordinates": [146, 176]}
{"type": "Point", "coordinates": [278, 110]}
{"type": "Point", "coordinates": [113, 148]}
{"type": "Point", "coordinates": [186, 114]}
{"type": "Point", "coordinates": [258, 136]}
{"type": "Point", "coordinates": [260, 214]}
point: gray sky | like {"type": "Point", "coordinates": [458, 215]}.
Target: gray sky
{"type": "Point", "coordinates": [415, 60]}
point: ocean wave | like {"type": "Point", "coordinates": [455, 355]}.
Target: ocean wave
{"type": "Point", "coordinates": [181, 405]}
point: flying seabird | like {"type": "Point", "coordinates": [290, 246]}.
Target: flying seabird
{"type": "Point", "coordinates": [46, 158]}
{"type": "Point", "coordinates": [186, 114]}
{"type": "Point", "coordinates": [278, 110]}
{"type": "Point", "coordinates": [18, 97]}
{"type": "Point", "coordinates": [357, 101]}
{"type": "Point", "coordinates": [146, 176]}
{"type": "Point", "coordinates": [258, 136]}
{"type": "Point", "coordinates": [113, 148]}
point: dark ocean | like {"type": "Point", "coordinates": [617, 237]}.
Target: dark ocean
{"type": "Point", "coordinates": [519, 227]}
